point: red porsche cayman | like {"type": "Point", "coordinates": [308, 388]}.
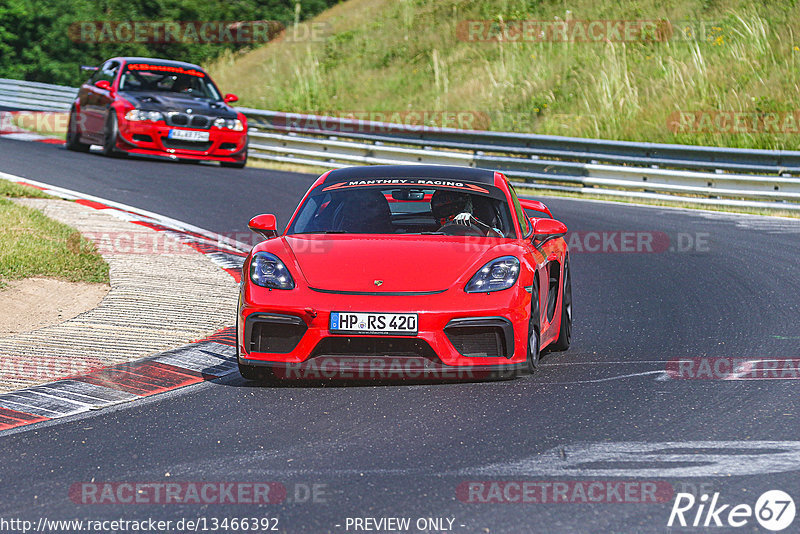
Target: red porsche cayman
{"type": "Point", "coordinates": [405, 272]}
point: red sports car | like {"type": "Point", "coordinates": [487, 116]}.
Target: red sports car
{"type": "Point", "coordinates": [157, 107]}
{"type": "Point", "coordinates": [405, 272]}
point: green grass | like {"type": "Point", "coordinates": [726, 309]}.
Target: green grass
{"type": "Point", "coordinates": [395, 55]}
{"type": "Point", "coordinates": [15, 190]}
{"type": "Point", "coordinates": [32, 244]}
{"type": "Point", "coordinates": [48, 123]}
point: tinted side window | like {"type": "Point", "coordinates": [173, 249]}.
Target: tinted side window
{"type": "Point", "coordinates": [107, 72]}
{"type": "Point", "coordinates": [521, 216]}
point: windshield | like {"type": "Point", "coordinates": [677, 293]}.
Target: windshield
{"type": "Point", "coordinates": [405, 209]}
{"type": "Point", "coordinates": [163, 78]}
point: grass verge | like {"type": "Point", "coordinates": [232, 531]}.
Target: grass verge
{"type": "Point", "coordinates": [32, 244]}
{"type": "Point", "coordinates": [413, 55]}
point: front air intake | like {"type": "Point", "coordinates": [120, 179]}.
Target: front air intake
{"type": "Point", "coordinates": [278, 334]}
{"type": "Point", "coordinates": [490, 337]}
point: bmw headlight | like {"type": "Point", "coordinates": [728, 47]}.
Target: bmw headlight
{"type": "Point", "coordinates": [266, 270]}
{"type": "Point", "coordinates": [231, 124]}
{"type": "Point", "coordinates": [141, 115]}
{"type": "Point", "coordinates": [498, 274]}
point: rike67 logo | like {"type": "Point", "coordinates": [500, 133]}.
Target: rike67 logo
{"type": "Point", "coordinates": [774, 510]}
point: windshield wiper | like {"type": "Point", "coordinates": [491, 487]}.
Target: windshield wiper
{"type": "Point", "coordinates": [323, 232]}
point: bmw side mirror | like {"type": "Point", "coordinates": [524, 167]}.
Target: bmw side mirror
{"type": "Point", "coordinates": [265, 225]}
{"type": "Point", "coordinates": [229, 98]}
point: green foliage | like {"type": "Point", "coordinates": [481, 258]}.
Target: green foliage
{"type": "Point", "coordinates": [36, 43]}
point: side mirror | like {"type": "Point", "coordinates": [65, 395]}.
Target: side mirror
{"type": "Point", "coordinates": [103, 84]}
{"type": "Point", "coordinates": [547, 229]}
{"type": "Point", "coordinates": [266, 225]}
{"type": "Point", "coordinates": [230, 97]}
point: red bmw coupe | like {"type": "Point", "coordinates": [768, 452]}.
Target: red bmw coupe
{"type": "Point", "coordinates": [157, 107]}
{"type": "Point", "coordinates": [405, 271]}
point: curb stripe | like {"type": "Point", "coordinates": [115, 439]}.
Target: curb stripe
{"type": "Point", "coordinates": [206, 359]}
{"type": "Point", "coordinates": [143, 378]}
{"type": "Point", "coordinates": [12, 419]}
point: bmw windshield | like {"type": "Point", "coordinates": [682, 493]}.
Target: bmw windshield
{"type": "Point", "coordinates": [168, 79]}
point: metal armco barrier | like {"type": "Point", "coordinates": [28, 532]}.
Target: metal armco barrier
{"type": "Point", "coordinates": [35, 96]}
{"type": "Point", "coordinates": [703, 175]}
{"type": "Point", "coordinates": [767, 179]}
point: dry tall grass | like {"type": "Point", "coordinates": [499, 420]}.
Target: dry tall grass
{"type": "Point", "coordinates": [394, 55]}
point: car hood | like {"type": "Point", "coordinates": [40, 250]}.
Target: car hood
{"type": "Point", "coordinates": [165, 102]}
{"type": "Point", "coordinates": [400, 263]}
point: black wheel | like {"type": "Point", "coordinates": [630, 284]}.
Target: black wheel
{"type": "Point", "coordinates": [534, 350]}
{"type": "Point", "coordinates": [110, 134]}
{"type": "Point", "coordinates": [236, 164]}
{"type": "Point", "coordinates": [74, 134]}
{"type": "Point", "coordinates": [565, 331]}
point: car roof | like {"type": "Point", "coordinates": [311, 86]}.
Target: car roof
{"type": "Point", "coordinates": [156, 61]}
{"type": "Point", "coordinates": [466, 174]}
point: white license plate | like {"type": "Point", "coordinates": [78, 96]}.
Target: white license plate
{"type": "Point", "coordinates": [374, 323]}
{"type": "Point", "coordinates": [188, 135]}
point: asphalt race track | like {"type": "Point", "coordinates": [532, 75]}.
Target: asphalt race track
{"type": "Point", "coordinates": [605, 411]}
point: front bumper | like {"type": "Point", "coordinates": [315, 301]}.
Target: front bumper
{"type": "Point", "coordinates": [453, 327]}
{"type": "Point", "coordinates": [148, 138]}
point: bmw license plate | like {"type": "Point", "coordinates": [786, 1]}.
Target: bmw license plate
{"type": "Point", "coordinates": [374, 323]}
{"type": "Point", "coordinates": [188, 135]}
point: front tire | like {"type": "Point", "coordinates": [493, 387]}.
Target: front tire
{"type": "Point", "coordinates": [534, 343]}
{"type": "Point", "coordinates": [110, 136]}
{"type": "Point", "coordinates": [565, 330]}
{"type": "Point", "coordinates": [74, 134]}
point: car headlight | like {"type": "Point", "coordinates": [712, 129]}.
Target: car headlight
{"type": "Point", "coordinates": [266, 270]}
{"type": "Point", "coordinates": [141, 115]}
{"type": "Point", "coordinates": [498, 274]}
{"type": "Point", "coordinates": [231, 124]}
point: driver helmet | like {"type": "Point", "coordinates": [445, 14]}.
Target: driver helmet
{"type": "Point", "coordinates": [445, 205]}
